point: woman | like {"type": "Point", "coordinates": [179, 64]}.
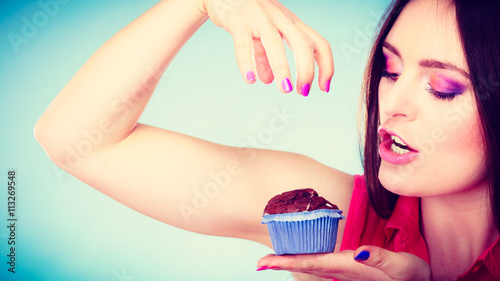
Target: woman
{"type": "Point", "coordinates": [429, 117]}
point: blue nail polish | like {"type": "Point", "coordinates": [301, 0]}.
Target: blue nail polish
{"type": "Point", "coordinates": [364, 255]}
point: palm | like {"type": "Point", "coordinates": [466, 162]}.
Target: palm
{"type": "Point", "coordinates": [383, 265]}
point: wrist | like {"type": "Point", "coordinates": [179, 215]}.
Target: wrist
{"type": "Point", "coordinates": [186, 10]}
{"type": "Point", "coordinates": [201, 5]}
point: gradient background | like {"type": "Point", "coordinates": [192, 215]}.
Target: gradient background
{"type": "Point", "coordinates": [68, 231]}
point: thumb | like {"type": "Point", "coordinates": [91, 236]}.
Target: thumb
{"type": "Point", "coordinates": [398, 266]}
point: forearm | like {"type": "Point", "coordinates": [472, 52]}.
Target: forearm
{"type": "Point", "coordinates": [91, 128]}
{"type": "Point", "coordinates": [111, 90]}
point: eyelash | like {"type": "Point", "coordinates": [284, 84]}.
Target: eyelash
{"type": "Point", "coordinates": [392, 77]}
{"type": "Point", "coordinates": [440, 95]}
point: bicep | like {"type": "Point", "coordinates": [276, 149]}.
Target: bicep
{"type": "Point", "coordinates": [202, 186]}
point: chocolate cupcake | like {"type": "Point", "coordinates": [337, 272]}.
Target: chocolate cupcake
{"type": "Point", "coordinates": [301, 222]}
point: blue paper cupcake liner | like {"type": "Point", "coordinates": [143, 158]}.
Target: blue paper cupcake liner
{"type": "Point", "coordinates": [303, 232]}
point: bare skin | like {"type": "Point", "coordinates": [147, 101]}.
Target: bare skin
{"type": "Point", "coordinates": [110, 92]}
{"type": "Point", "coordinates": [448, 173]}
{"type": "Point", "coordinates": [108, 95]}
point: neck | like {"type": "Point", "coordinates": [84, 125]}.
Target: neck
{"type": "Point", "coordinates": [457, 225]}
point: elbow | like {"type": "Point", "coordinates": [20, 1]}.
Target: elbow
{"type": "Point", "coordinates": [58, 141]}
{"type": "Point", "coordinates": [47, 138]}
{"type": "Point", "coordinates": [38, 132]}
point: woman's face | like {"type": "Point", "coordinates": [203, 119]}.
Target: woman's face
{"type": "Point", "coordinates": [426, 100]}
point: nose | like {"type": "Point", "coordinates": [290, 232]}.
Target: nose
{"type": "Point", "coordinates": [398, 100]}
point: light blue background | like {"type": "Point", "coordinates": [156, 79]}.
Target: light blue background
{"type": "Point", "coordinates": [68, 231]}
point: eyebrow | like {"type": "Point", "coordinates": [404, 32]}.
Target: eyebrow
{"type": "Point", "coordinates": [430, 63]}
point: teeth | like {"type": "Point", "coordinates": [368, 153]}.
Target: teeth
{"type": "Point", "coordinates": [398, 140]}
{"type": "Point", "coordinates": [399, 147]}
{"type": "Point", "coordinates": [398, 150]}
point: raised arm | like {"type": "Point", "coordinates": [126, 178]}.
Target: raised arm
{"type": "Point", "coordinates": [91, 129]}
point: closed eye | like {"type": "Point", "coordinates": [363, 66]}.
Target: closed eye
{"type": "Point", "coordinates": [392, 77]}
{"type": "Point", "coordinates": [441, 95]}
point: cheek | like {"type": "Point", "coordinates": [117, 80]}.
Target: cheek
{"type": "Point", "coordinates": [462, 131]}
{"type": "Point", "coordinates": [451, 155]}
{"type": "Point", "coordinates": [465, 149]}
{"type": "Point", "coordinates": [383, 88]}
{"type": "Point", "coordinates": [457, 160]}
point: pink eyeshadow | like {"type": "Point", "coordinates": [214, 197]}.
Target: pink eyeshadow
{"type": "Point", "coordinates": [444, 84]}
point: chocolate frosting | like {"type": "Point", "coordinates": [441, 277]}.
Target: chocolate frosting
{"type": "Point", "coordinates": [298, 200]}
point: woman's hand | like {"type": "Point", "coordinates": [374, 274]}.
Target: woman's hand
{"type": "Point", "coordinates": [259, 28]}
{"type": "Point", "coordinates": [366, 263]}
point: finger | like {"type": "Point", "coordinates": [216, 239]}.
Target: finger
{"type": "Point", "coordinates": [275, 50]}
{"type": "Point", "coordinates": [306, 262]}
{"type": "Point", "coordinates": [309, 264]}
{"type": "Point", "coordinates": [243, 49]}
{"type": "Point", "coordinates": [322, 55]}
{"type": "Point", "coordinates": [302, 49]}
{"type": "Point", "coordinates": [334, 265]}
{"type": "Point", "coordinates": [321, 48]}
{"type": "Point", "coordinates": [398, 266]}
{"type": "Point", "coordinates": [264, 70]}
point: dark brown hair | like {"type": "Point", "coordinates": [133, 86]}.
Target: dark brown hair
{"type": "Point", "coordinates": [479, 29]}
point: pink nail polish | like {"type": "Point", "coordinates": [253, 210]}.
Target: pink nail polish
{"type": "Point", "coordinates": [287, 86]}
{"type": "Point", "coordinates": [262, 268]}
{"type": "Point", "coordinates": [250, 76]}
{"type": "Point", "coordinates": [273, 267]}
{"type": "Point", "coordinates": [305, 89]}
{"type": "Point", "coordinates": [327, 86]}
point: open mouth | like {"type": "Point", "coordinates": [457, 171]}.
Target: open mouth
{"type": "Point", "coordinates": [395, 150]}
{"type": "Point", "coordinates": [398, 146]}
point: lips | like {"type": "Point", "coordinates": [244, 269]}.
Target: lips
{"type": "Point", "coordinates": [394, 149]}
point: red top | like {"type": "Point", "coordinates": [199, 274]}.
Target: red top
{"type": "Point", "coordinates": [401, 232]}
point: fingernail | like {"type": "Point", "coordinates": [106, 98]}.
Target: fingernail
{"type": "Point", "coordinates": [250, 76]}
{"type": "Point", "coordinates": [327, 86]}
{"type": "Point", "coordinates": [262, 268]}
{"type": "Point", "coordinates": [287, 86]}
{"type": "Point", "coordinates": [273, 267]}
{"type": "Point", "coordinates": [364, 255]}
{"type": "Point", "coordinates": [305, 90]}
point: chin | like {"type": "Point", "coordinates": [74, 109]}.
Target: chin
{"type": "Point", "coordinates": [396, 180]}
